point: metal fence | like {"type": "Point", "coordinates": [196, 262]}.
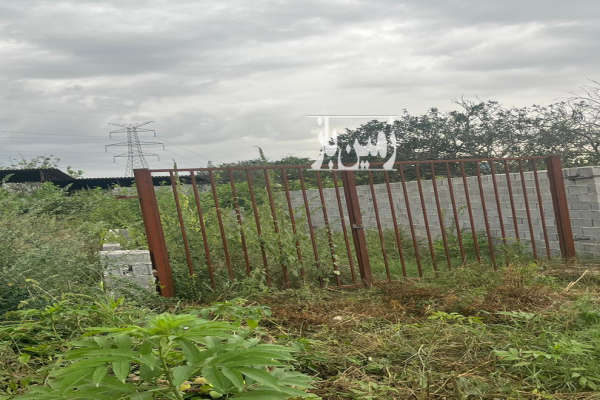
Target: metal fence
{"type": "Point", "coordinates": [352, 228]}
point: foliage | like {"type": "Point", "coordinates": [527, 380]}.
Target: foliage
{"type": "Point", "coordinates": [486, 129]}
{"type": "Point", "coordinates": [31, 339]}
{"type": "Point", "coordinates": [469, 334]}
{"type": "Point", "coordinates": [450, 335]}
{"type": "Point", "coordinates": [50, 241]}
{"type": "Point", "coordinates": [173, 357]}
{"type": "Point", "coordinates": [48, 161]}
{"type": "Point", "coordinates": [40, 254]}
{"type": "Point", "coordinates": [555, 359]}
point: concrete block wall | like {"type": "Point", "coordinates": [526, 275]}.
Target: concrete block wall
{"type": "Point", "coordinates": [583, 194]}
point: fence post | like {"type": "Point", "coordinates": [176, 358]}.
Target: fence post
{"type": "Point", "coordinates": [154, 231]}
{"type": "Point", "coordinates": [358, 232]}
{"type": "Point", "coordinates": [561, 209]}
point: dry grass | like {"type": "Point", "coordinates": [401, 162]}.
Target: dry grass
{"type": "Point", "coordinates": [403, 341]}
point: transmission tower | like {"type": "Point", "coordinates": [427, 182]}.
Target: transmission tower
{"type": "Point", "coordinates": [136, 158]}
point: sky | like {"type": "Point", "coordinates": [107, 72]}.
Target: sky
{"type": "Point", "coordinates": [221, 77]}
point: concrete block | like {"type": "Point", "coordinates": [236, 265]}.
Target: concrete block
{"type": "Point", "coordinates": [592, 232]}
{"type": "Point", "coordinates": [577, 189]}
{"type": "Point", "coordinates": [142, 269]}
{"type": "Point", "coordinates": [134, 266]}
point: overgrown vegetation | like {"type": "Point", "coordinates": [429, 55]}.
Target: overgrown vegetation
{"type": "Point", "coordinates": [100, 348]}
{"type": "Point", "coordinates": [471, 334]}
{"type": "Point", "coordinates": [170, 357]}
{"type": "Point", "coordinates": [528, 330]}
{"type": "Point", "coordinates": [63, 336]}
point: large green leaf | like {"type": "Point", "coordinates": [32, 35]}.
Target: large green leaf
{"type": "Point", "coordinates": [142, 396]}
{"type": "Point", "coordinates": [99, 374]}
{"type": "Point", "coordinates": [70, 379]}
{"type": "Point", "coordinates": [260, 376]}
{"type": "Point", "coordinates": [191, 351]}
{"type": "Point", "coordinates": [235, 377]}
{"type": "Point", "coordinates": [101, 353]}
{"type": "Point", "coordinates": [182, 373]}
{"type": "Point", "coordinates": [123, 341]}
{"type": "Point", "coordinates": [146, 373]}
{"type": "Point", "coordinates": [292, 378]}
{"type": "Point", "coordinates": [262, 395]}
{"type": "Point", "coordinates": [121, 369]}
{"type": "Point", "coordinates": [215, 329]}
{"type": "Point", "coordinates": [216, 378]}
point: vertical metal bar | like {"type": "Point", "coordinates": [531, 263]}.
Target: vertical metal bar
{"type": "Point", "coordinates": [154, 232]}
{"type": "Point", "coordinates": [498, 205]}
{"type": "Point", "coordinates": [455, 212]}
{"type": "Point", "coordinates": [311, 229]}
{"type": "Point", "coordinates": [203, 230]}
{"type": "Point", "coordinates": [213, 187]}
{"type": "Point", "coordinates": [284, 270]}
{"type": "Point", "coordinates": [186, 245]}
{"type": "Point", "coordinates": [344, 230]}
{"type": "Point", "coordinates": [395, 222]}
{"type": "Point", "coordinates": [328, 229]}
{"type": "Point", "coordinates": [470, 211]}
{"type": "Point", "coordinates": [512, 199]}
{"type": "Point", "coordinates": [485, 217]}
{"type": "Point", "coordinates": [425, 217]}
{"type": "Point", "coordinates": [410, 221]}
{"type": "Point", "coordinates": [379, 229]}
{"type": "Point", "coordinates": [440, 215]}
{"type": "Point", "coordinates": [561, 208]}
{"type": "Point", "coordinates": [286, 185]}
{"type": "Point", "coordinates": [541, 207]}
{"type": "Point", "coordinates": [358, 233]}
{"type": "Point", "coordinates": [258, 227]}
{"type": "Point", "coordinates": [526, 200]}
{"type": "Point", "coordinates": [238, 214]}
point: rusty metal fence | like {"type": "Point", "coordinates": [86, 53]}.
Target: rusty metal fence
{"type": "Point", "coordinates": [289, 224]}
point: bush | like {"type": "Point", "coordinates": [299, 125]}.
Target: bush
{"type": "Point", "coordinates": [168, 357]}
{"type": "Point", "coordinates": [50, 241]}
{"type": "Point", "coordinates": [42, 254]}
{"type": "Point", "coordinates": [32, 339]}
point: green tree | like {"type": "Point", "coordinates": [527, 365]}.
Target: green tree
{"type": "Point", "coordinates": [41, 162]}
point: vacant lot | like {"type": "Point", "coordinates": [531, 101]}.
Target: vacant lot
{"type": "Point", "coordinates": [529, 330]}
{"type": "Point", "coordinates": [472, 334]}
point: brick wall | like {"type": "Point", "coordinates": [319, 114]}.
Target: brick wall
{"type": "Point", "coordinates": [582, 185]}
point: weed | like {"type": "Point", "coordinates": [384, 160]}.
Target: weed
{"type": "Point", "coordinates": [170, 357]}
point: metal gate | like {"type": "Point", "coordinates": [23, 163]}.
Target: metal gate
{"type": "Point", "coordinates": [289, 224]}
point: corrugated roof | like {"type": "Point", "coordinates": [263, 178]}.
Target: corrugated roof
{"type": "Point", "coordinates": [61, 179]}
{"type": "Point", "coordinates": [34, 175]}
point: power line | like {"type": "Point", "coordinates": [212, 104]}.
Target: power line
{"type": "Point", "coordinates": [40, 133]}
{"type": "Point", "coordinates": [136, 158]}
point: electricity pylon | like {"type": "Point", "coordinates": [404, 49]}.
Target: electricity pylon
{"type": "Point", "coordinates": [136, 158]}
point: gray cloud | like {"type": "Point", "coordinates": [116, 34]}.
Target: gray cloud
{"type": "Point", "coordinates": [221, 77]}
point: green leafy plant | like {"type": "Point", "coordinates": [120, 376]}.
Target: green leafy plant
{"type": "Point", "coordinates": [558, 364]}
{"type": "Point", "coordinates": [173, 357]}
{"type": "Point", "coordinates": [454, 317]}
{"type": "Point", "coordinates": [32, 339]}
{"type": "Point", "coordinates": [236, 310]}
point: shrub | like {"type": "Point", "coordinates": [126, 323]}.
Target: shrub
{"type": "Point", "coordinates": [32, 339]}
{"type": "Point", "coordinates": [173, 357]}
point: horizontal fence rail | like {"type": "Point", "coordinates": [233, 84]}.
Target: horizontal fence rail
{"type": "Point", "coordinates": [287, 224]}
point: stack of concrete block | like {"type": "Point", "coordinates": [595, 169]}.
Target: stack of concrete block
{"type": "Point", "coordinates": [583, 194]}
{"type": "Point", "coordinates": [127, 266]}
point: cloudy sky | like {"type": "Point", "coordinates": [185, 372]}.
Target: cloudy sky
{"type": "Point", "coordinates": [220, 77]}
